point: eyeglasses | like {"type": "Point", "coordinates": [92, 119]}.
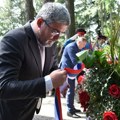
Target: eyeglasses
{"type": "Point", "coordinates": [53, 30]}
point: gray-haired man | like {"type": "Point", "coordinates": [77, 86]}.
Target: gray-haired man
{"type": "Point", "coordinates": [28, 62]}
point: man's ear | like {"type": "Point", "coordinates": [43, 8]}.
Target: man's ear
{"type": "Point", "coordinates": [39, 22]}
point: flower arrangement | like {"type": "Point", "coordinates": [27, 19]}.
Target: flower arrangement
{"type": "Point", "coordinates": [102, 79]}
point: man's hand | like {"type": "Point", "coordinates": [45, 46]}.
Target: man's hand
{"type": "Point", "coordinates": [58, 77]}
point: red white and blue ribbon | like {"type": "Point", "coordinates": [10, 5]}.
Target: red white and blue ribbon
{"type": "Point", "coordinates": [58, 108]}
{"type": "Point", "coordinates": [72, 73]}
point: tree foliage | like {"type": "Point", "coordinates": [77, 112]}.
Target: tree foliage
{"type": "Point", "coordinates": [12, 15]}
{"type": "Point", "coordinates": [93, 15]}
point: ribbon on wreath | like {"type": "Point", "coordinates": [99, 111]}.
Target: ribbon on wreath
{"type": "Point", "coordinates": [71, 74]}
{"type": "Point", "coordinates": [58, 108]}
{"type": "Point", "coordinates": [74, 72]}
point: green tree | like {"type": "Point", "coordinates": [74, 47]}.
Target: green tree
{"type": "Point", "coordinates": [12, 15]}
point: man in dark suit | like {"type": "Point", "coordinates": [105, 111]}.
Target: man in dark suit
{"type": "Point", "coordinates": [28, 63]}
{"type": "Point", "coordinates": [69, 60]}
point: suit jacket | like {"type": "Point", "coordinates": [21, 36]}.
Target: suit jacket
{"type": "Point", "coordinates": [21, 77]}
{"type": "Point", "coordinates": [69, 58]}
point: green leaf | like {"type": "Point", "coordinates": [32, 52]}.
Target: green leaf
{"type": "Point", "coordinates": [87, 57]}
{"type": "Point", "coordinates": [82, 55]}
{"type": "Point", "coordinates": [89, 60]}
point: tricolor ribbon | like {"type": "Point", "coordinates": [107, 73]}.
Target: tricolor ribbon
{"type": "Point", "coordinates": [76, 70]}
{"type": "Point", "coordinates": [58, 108]}
{"type": "Point", "coordinates": [72, 73]}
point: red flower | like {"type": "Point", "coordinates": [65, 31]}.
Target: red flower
{"type": "Point", "coordinates": [109, 115]}
{"type": "Point", "coordinates": [80, 79]}
{"type": "Point", "coordinates": [84, 99]}
{"type": "Point", "coordinates": [114, 91]}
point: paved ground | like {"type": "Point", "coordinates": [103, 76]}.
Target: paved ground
{"type": "Point", "coordinates": [47, 110]}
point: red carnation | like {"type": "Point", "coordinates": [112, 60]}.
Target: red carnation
{"type": "Point", "coordinates": [109, 116]}
{"type": "Point", "coordinates": [84, 99]}
{"type": "Point", "coordinates": [114, 91]}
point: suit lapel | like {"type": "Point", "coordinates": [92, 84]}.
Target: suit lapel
{"type": "Point", "coordinates": [47, 60]}
{"type": "Point", "coordinates": [34, 46]}
{"type": "Point", "coordinates": [36, 53]}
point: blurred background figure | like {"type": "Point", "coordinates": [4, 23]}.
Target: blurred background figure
{"type": "Point", "coordinates": [79, 33]}
{"type": "Point", "coordinates": [101, 42]}
{"type": "Point", "coordinates": [68, 60]}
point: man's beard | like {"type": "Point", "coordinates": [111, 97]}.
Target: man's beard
{"type": "Point", "coordinates": [49, 44]}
